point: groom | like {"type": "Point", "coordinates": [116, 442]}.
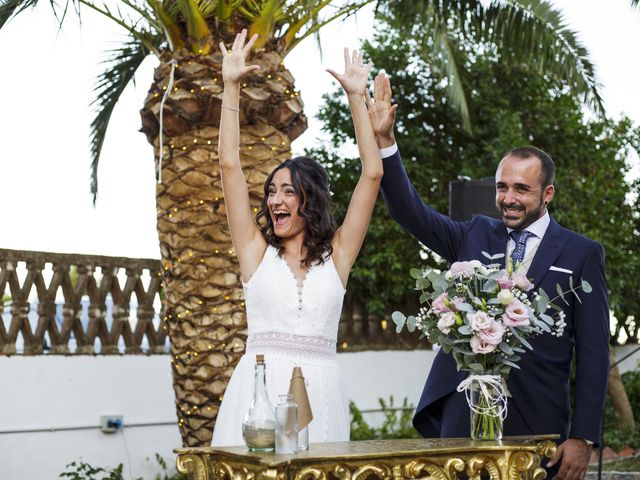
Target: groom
{"type": "Point", "coordinates": [539, 402]}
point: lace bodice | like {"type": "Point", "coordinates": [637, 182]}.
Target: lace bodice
{"type": "Point", "coordinates": [279, 308]}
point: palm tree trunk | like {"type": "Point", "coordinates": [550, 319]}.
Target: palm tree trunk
{"type": "Point", "coordinates": [203, 303]}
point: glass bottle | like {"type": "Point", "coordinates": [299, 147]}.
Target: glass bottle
{"type": "Point", "coordinates": [286, 425]}
{"type": "Point", "coordinates": [259, 425]}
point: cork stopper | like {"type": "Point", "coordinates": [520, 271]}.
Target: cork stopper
{"type": "Point", "coordinates": [259, 358]}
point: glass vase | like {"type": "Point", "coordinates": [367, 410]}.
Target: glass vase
{"type": "Point", "coordinates": [487, 405]}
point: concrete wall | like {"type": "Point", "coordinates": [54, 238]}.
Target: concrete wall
{"type": "Point", "coordinates": [50, 406]}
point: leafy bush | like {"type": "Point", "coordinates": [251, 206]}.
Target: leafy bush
{"type": "Point", "coordinates": [397, 422]}
{"type": "Point", "coordinates": [613, 437]}
{"type": "Point", "coordinates": [84, 471]}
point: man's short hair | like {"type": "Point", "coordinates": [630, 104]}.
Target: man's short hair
{"type": "Point", "coordinates": [547, 167]}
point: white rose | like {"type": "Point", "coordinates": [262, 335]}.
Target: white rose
{"type": "Point", "coordinates": [505, 296]}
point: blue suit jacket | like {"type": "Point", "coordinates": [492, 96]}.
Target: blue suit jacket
{"type": "Point", "coordinates": [539, 402]}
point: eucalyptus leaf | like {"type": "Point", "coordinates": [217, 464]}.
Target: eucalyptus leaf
{"type": "Point", "coordinates": [561, 293]}
{"type": "Point", "coordinates": [411, 323]}
{"type": "Point", "coordinates": [495, 275]}
{"type": "Point", "coordinates": [586, 286]}
{"type": "Point", "coordinates": [489, 286]}
{"type": "Point", "coordinates": [444, 340]}
{"type": "Point", "coordinates": [416, 273]}
{"type": "Point", "coordinates": [464, 307]}
{"type": "Point", "coordinates": [543, 326]}
{"type": "Point", "coordinates": [424, 297]}
{"type": "Point", "coordinates": [476, 367]}
{"type": "Point", "coordinates": [465, 330]}
{"type": "Point", "coordinates": [399, 319]}
{"type": "Point", "coordinates": [521, 339]}
{"type": "Point", "coordinates": [511, 364]}
{"type": "Point", "coordinates": [547, 319]}
{"type": "Point", "coordinates": [576, 295]}
{"type": "Point", "coordinates": [504, 346]}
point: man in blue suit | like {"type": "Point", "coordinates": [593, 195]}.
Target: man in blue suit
{"type": "Point", "coordinates": [539, 402]}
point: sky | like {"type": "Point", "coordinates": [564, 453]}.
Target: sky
{"type": "Point", "coordinates": [46, 82]}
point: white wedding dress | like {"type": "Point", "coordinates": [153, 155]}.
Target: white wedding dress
{"type": "Point", "coordinates": [292, 324]}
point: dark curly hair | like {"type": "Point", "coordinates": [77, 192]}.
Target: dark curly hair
{"type": "Point", "coordinates": [311, 184]}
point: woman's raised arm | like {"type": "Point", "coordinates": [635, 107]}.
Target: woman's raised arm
{"type": "Point", "coordinates": [349, 237]}
{"type": "Point", "coordinates": [247, 240]}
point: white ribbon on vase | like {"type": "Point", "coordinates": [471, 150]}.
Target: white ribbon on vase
{"type": "Point", "coordinates": [494, 404]}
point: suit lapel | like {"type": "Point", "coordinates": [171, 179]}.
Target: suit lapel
{"type": "Point", "coordinates": [500, 237]}
{"type": "Point", "coordinates": [550, 247]}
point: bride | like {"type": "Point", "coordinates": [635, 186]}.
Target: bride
{"type": "Point", "coordinates": [293, 260]}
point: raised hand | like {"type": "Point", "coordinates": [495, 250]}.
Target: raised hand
{"type": "Point", "coordinates": [233, 62]}
{"type": "Point", "coordinates": [356, 73]}
{"type": "Point", "coordinates": [381, 111]}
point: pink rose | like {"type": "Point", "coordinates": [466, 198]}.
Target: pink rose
{"type": "Point", "coordinates": [493, 334]}
{"type": "Point", "coordinates": [521, 281]}
{"type": "Point", "coordinates": [479, 320]}
{"type": "Point", "coordinates": [439, 305]}
{"type": "Point", "coordinates": [446, 321]}
{"type": "Point", "coordinates": [505, 281]}
{"type": "Point", "coordinates": [478, 345]}
{"type": "Point", "coordinates": [516, 315]}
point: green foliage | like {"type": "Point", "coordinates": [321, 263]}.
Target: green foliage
{"type": "Point", "coordinates": [613, 437]}
{"type": "Point", "coordinates": [631, 464]}
{"type": "Point", "coordinates": [84, 471]}
{"type": "Point", "coordinates": [512, 105]}
{"type": "Point", "coordinates": [397, 423]}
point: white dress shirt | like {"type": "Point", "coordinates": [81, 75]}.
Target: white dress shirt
{"type": "Point", "coordinates": [538, 229]}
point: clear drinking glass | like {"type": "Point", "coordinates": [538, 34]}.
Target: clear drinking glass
{"type": "Point", "coordinates": [286, 425]}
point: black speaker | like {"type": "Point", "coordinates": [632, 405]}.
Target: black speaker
{"type": "Point", "coordinates": [471, 197]}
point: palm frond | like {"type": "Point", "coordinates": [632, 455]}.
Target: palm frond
{"type": "Point", "coordinates": [197, 27]}
{"type": "Point", "coordinates": [635, 3]}
{"type": "Point", "coordinates": [414, 13]}
{"type": "Point", "coordinates": [534, 33]}
{"type": "Point", "coordinates": [10, 8]}
{"type": "Point", "coordinates": [122, 65]}
{"type": "Point", "coordinates": [311, 22]}
{"type": "Point", "coordinates": [173, 32]}
{"type": "Point", "coordinates": [265, 17]}
{"type": "Point", "coordinates": [452, 63]}
{"type": "Point", "coordinates": [149, 39]}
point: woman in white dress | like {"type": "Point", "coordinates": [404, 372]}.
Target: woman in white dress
{"type": "Point", "coordinates": [293, 260]}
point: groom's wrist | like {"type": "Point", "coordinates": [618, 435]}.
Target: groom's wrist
{"type": "Point", "coordinates": [386, 152]}
{"type": "Point", "coordinates": [385, 141]}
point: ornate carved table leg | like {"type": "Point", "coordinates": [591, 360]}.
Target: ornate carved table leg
{"type": "Point", "coordinates": [193, 465]}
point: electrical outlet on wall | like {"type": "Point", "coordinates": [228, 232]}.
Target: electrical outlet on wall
{"type": "Point", "coordinates": [111, 423]}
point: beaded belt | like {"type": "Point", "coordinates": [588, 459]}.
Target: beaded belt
{"type": "Point", "coordinates": [292, 345]}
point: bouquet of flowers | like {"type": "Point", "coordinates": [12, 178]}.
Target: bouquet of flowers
{"type": "Point", "coordinates": [484, 315]}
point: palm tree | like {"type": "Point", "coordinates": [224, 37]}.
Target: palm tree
{"type": "Point", "coordinates": [203, 308]}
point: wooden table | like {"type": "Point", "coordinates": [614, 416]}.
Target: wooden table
{"type": "Point", "coordinates": [437, 459]}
